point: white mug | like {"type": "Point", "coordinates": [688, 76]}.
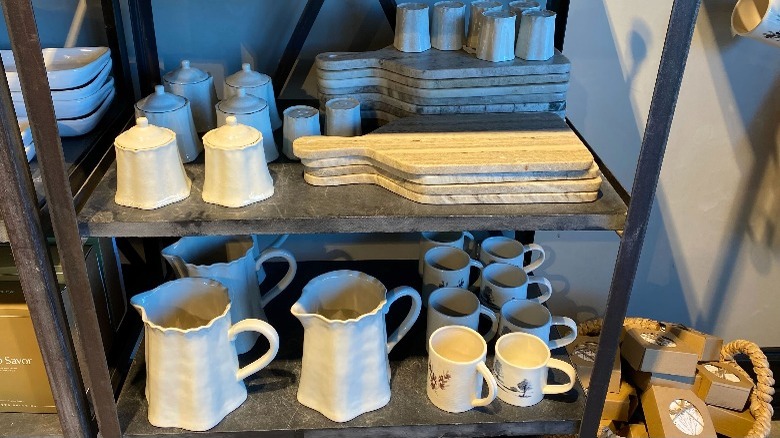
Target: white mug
{"type": "Point", "coordinates": [520, 367]}
{"type": "Point", "coordinates": [446, 267]}
{"type": "Point", "coordinates": [505, 250]}
{"type": "Point", "coordinates": [430, 239]}
{"type": "Point", "coordinates": [526, 316]}
{"type": "Point", "coordinates": [757, 19]}
{"type": "Point", "coordinates": [502, 282]}
{"type": "Point", "coordinates": [457, 306]}
{"type": "Point", "coordinates": [456, 369]}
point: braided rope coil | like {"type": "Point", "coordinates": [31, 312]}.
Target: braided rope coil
{"type": "Point", "coordinates": [760, 397]}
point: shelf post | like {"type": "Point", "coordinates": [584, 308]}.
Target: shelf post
{"type": "Point", "coordinates": [667, 88]}
{"type": "Point", "coordinates": [23, 34]}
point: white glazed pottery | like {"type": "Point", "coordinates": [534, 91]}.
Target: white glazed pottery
{"type": "Point", "coordinates": [198, 87]}
{"type": "Point", "coordinates": [172, 112]}
{"type": "Point", "coordinates": [342, 117]}
{"type": "Point", "coordinates": [497, 36]}
{"type": "Point", "coordinates": [536, 37]}
{"type": "Point", "coordinates": [192, 375]}
{"type": "Point", "coordinates": [446, 266]}
{"type": "Point", "coordinates": [87, 89]}
{"type": "Point", "coordinates": [65, 68]}
{"type": "Point", "coordinates": [231, 261]}
{"type": "Point", "coordinates": [519, 8]}
{"type": "Point", "coordinates": [236, 172]}
{"type": "Point", "coordinates": [149, 172]}
{"type": "Point", "coordinates": [500, 249]}
{"type": "Point", "coordinates": [475, 20]}
{"type": "Point", "coordinates": [429, 239]}
{"type": "Point", "coordinates": [456, 369]}
{"type": "Point", "coordinates": [535, 319]}
{"type": "Point", "coordinates": [251, 111]}
{"type": "Point", "coordinates": [521, 366]}
{"type": "Point", "coordinates": [345, 370]}
{"type": "Point", "coordinates": [299, 121]}
{"type": "Point", "coordinates": [256, 84]}
{"type": "Point", "coordinates": [412, 28]}
{"type": "Point", "coordinates": [457, 306]}
{"type": "Point", "coordinates": [502, 282]}
{"type": "Point", "coordinates": [757, 19]}
{"type": "Point", "coordinates": [448, 27]}
{"type": "Point", "coordinates": [73, 108]}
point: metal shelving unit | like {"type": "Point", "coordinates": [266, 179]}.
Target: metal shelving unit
{"type": "Point", "coordinates": [312, 211]}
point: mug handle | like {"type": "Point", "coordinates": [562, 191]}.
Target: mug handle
{"type": "Point", "coordinates": [566, 368]}
{"type": "Point", "coordinates": [547, 293]}
{"type": "Point", "coordinates": [411, 317]}
{"type": "Point", "coordinates": [264, 329]}
{"type": "Point", "coordinates": [536, 263]}
{"type": "Point", "coordinates": [272, 253]}
{"type": "Point", "coordinates": [569, 338]}
{"type": "Point", "coordinates": [493, 322]}
{"type": "Point", "coordinates": [275, 244]}
{"type": "Point", "coordinates": [470, 246]}
{"type": "Point", "coordinates": [490, 379]}
{"type": "Point", "coordinates": [478, 282]}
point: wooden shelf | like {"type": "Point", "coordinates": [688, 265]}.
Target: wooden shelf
{"type": "Point", "coordinates": [29, 425]}
{"type": "Point", "coordinates": [272, 408]}
{"type": "Point", "coordinates": [297, 207]}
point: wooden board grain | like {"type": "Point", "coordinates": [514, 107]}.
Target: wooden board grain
{"type": "Point", "coordinates": [378, 76]}
{"type": "Point", "coordinates": [468, 98]}
{"type": "Point", "coordinates": [437, 64]}
{"type": "Point", "coordinates": [385, 86]}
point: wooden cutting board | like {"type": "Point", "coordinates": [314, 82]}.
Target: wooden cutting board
{"type": "Point", "coordinates": [373, 175]}
{"type": "Point", "coordinates": [382, 94]}
{"type": "Point", "coordinates": [439, 64]}
{"type": "Point", "coordinates": [378, 76]}
{"type": "Point", "coordinates": [385, 86]}
{"type": "Point", "coordinates": [536, 144]}
{"type": "Point", "coordinates": [490, 198]}
{"type": "Point", "coordinates": [352, 165]}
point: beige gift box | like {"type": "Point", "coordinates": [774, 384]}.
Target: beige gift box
{"type": "Point", "coordinates": [582, 353]}
{"type": "Point", "coordinates": [673, 412]}
{"type": "Point", "coordinates": [637, 430]}
{"type": "Point", "coordinates": [620, 406]}
{"type": "Point", "coordinates": [643, 380]}
{"type": "Point", "coordinates": [706, 346]}
{"type": "Point", "coordinates": [733, 424]}
{"type": "Point", "coordinates": [658, 352]}
{"type": "Point", "coordinates": [724, 385]}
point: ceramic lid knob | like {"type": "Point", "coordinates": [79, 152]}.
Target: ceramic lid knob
{"type": "Point", "coordinates": [160, 101]}
{"type": "Point", "coordinates": [144, 136]}
{"type": "Point", "coordinates": [232, 135]}
{"type": "Point", "coordinates": [186, 74]}
{"type": "Point", "coordinates": [246, 77]}
{"type": "Point", "coordinates": [242, 103]}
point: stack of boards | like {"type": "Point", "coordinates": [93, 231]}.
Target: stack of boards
{"type": "Point", "coordinates": [390, 84]}
{"type": "Point", "coordinates": [460, 159]}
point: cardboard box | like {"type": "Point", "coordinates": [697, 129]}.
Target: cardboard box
{"type": "Point", "coordinates": [722, 384]}
{"type": "Point", "coordinates": [607, 429]}
{"type": "Point", "coordinates": [733, 424]}
{"type": "Point", "coordinates": [582, 353]}
{"type": "Point", "coordinates": [642, 380]}
{"type": "Point", "coordinates": [672, 412]}
{"type": "Point", "coordinates": [658, 352]}
{"type": "Point", "coordinates": [707, 347]}
{"type": "Point", "coordinates": [24, 386]}
{"type": "Point", "coordinates": [620, 406]}
{"type": "Point", "coordinates": [636, 430]}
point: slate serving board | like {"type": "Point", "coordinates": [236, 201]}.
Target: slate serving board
{"type": "Point", "coordinates": [381, 85]}
{"type": "Point", "coordinates": [378, 76]}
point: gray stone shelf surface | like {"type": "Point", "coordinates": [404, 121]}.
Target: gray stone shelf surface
{"type": "Point", "coordinates": [21, 425]}
{"type": "Point", "coordinates": [297, 207]}
{"type": "Point", "coordinates": [272, 409]}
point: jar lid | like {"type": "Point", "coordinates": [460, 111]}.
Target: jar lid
{"type": "Point", "coordinates": [232, 135]}
{"type": "Point", "coordinates": [186, 74]}
{"type": "Point", "coordinates": [246, 77]}
{"type": "Point", "coordinates": [144, 136]}
{"type": "Point", "coordinates": [160, 101]}
{"type": "Point", "coordinates": [242, 103]}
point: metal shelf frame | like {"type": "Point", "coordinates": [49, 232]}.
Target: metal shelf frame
{"type": "Point", "coordinates": [23, 218]}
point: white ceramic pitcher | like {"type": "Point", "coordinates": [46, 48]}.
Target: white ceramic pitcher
{"type": "Point", "coordinates": [345, 370]}
{"type": "Point", "coordinates": [192, 376]}
{"type": "Point", "coordinates": [231, 261]}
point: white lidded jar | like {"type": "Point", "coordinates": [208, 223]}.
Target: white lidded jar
{"type": "Point", "coordinates": [252, 111]}
{"type": "Point", "coordinates": [172, 112]}
{"type": "Point", "coordinates": [256, 84]}
{"type": "Point", "coordinates": [236, 172]}
{"type": "Point", "coordinates": [198, 87]}
{"type": "Point", "coordinates": [149, 171]}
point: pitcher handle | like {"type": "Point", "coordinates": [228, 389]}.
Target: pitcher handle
{"type": "Point", "coordinates": [565, 387]}
{"type": "Point", "coordinates": [272, 253]}
{"type": "Point", "coordinates": [491, 315]}
{"type": "Point", "coordinates": [470, 244]}
{"type": "Point", "coordinates": [276, 244]}
{"type": "Point", "coordinates": [411, 317]}
{"type": "Point", "coordinates": [264, 329]}
{"type": "Point", "coordinates": [536, 263]}
{"type": "Point", "coordinates": [490, 379]}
